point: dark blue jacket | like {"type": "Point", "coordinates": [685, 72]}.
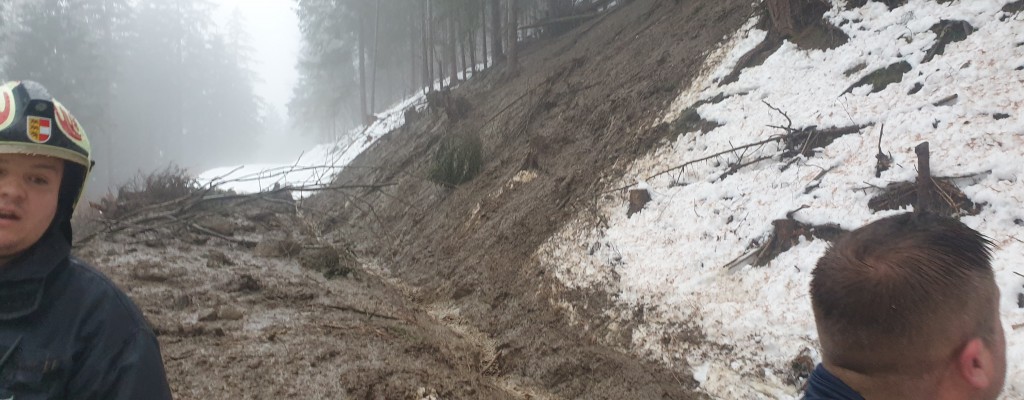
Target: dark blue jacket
{"type": "Point", "coordinates": [822, 385]}
{"type": "Point", "coordinates": [66, 332]}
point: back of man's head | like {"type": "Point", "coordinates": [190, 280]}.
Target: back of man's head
{"type": "Point", "coordinates": [898, 298]}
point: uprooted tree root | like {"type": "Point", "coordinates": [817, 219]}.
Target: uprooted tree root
{"type": "Point", "coordinates": [804, 141]}
{"type": "Point", "coordinates": [786, 233]}
{"type": "Point", "coordinates": [948, 31]}
{"type": "Point", "coordinates": [799, 21]}
{"type": "Point", "coordinates": [940, 196]}
{"type": "Point", "coordinates": [946, 198]}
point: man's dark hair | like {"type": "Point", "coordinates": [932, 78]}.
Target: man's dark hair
{"type": "Point", "coordinates": [899, 294]}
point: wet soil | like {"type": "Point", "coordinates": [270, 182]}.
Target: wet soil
{"type": "Point", "coordinates": [446, 300]}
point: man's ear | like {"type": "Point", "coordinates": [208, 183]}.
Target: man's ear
{"type": "Point", "coordinates": [976, 364]}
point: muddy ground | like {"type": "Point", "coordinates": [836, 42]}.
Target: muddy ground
{"type": "Point", "coordinates": [434, 292]}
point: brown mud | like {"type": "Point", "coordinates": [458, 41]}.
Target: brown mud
{"type": "Point", "coordinates": [448, 301]}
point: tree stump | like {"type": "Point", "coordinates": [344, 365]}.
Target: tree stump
{"type": "Point", "coordinates": [638, 198]}
{"type": "Point", "coordinates": [924, 179]}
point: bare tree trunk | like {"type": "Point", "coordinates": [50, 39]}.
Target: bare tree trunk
{"type": "Point", "coordinates": [412, 51]}
{"type": "Point", "coordinates": [483, 31]}
{"type": "Point", "coordinates": [362, 73]}
{"type": "Point", "coordinates": [427, 76]}
{"type": "Point", "coordinates": [497, 54]}
{"type": "Point", "coordinates": [452, 56]}
{"type": "Point", "coordinates": [471, 38]}
{"type": "Point", "coordinates": [373, 75]}
{"type": "Point", "coordinates": [513, 34]}
{"type": "Point", "coordinates": [438, 58]}
{"type": "Point", "coordinates": [430, 49]}
{"type": "Point", "coordinates": [440, 71]}
{"type": "Point", "coordinates": [461, 37]}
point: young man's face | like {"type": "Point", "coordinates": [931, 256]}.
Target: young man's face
{"type": "Point", "coordinates": [29, 187]}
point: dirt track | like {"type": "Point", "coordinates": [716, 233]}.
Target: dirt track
{"type": "Point", "coordinates": [448, 303]}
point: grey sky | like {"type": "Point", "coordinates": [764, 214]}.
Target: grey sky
{"type": "Point", "coordinates": [274, 33]}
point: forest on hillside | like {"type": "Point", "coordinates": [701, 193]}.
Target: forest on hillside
{"type": "Point", "coordinates": [163, 83]}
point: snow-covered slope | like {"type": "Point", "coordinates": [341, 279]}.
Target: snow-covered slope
{"type": "Point", "coordinates": [670, 258]}
{"type": "Point", "coordinates": [315, 168]}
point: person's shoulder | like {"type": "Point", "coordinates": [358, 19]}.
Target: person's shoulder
{"type": "Point", "coordinates": [822, 385]}
{"type": "Point", "coordinates": [100, 298]}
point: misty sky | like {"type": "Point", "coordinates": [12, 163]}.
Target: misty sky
{"type": "Point", "coordinates": [274, 33]}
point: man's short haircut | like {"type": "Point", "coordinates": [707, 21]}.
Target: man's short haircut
{"type": "Point", "coordinates": [901, 294]}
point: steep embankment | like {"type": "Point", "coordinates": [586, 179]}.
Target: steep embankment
{"type": "Point", "coordinates": [583, 106]}
{"type": "Point", "coordinates": [742, 210]}
{"type": "Point", "coordinates": [259, 295]}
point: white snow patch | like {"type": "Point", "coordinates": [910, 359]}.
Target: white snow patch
{"type": "Point", "coordinates": [669, 258]}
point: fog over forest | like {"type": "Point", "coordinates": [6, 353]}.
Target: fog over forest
{"type": "Point", "coordinates": [174, 83]}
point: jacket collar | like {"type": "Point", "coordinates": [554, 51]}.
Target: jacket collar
{"type": "Point", "coordinates": [23, 280]}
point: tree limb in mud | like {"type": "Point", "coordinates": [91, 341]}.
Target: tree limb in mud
{"type": "Point", "coordinates": [183, 210]}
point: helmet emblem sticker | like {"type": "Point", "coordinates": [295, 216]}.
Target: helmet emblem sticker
{"type": "Point", "coordinates": [39, 129]}
{"type": "Point", "coordinates": [6, 107]}
{"type": "Point", "coordinates": [68, 124]}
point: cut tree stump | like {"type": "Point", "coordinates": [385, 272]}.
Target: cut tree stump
{"type": "Point", "coordinates": [638, 198]}
{"type": "Point", "coordinates": [926, 194]}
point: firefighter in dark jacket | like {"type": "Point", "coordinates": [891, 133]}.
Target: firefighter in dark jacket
{"type": "Point", "coordinates": [66, 331]}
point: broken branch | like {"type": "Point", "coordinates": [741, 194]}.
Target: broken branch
{"type": "Point", "coordinates": [358, 311]}
{"type": "Point", "coordinates": [789, 122]}
{"type": "Point", "coordinates": [775, 138]}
